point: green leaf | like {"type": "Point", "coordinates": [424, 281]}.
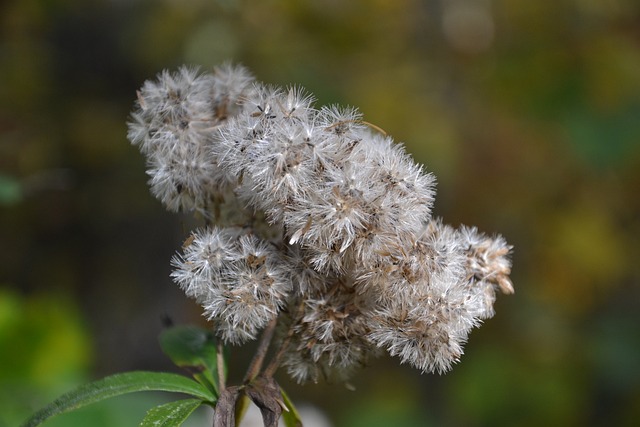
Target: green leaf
{"type": "Point", "coordinates": [116, 385]}
{"type": "Point", "coordinates": [242, 405]}
{"type": "Point", "coordinates": [171, 414]}
{"type": "Point", "coordinates": [291, 417]}
{"type": "Point", "coordinates": [194, 349]}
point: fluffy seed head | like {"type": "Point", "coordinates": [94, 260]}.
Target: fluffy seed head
{"type": "Point", "coordinates": [322, 220]}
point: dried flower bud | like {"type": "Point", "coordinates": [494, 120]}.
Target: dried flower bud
{"type": "Point", "coordinates": [174, 119]}
{"type": "Point", "coordinates": [237, 278]}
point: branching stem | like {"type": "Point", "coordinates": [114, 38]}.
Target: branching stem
{"type": "Point", "coordinates": [275, 362]}
{"type": "Point", "coordinates": [261, 352]}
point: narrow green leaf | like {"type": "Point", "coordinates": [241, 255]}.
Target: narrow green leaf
{"type": "Point", "coordinates": [194, 349]}
{"type": "Point", "coordinates": [291, 417]}
{"type": "Point", "coordinates": [242, 405]}
{"type": "Point", "coordinates": [116, 385]}
{"type": "Point", "coordinates": [171, 414]}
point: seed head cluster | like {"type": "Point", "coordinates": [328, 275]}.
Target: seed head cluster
{"type": "Point", "coordinates": [315, 218]}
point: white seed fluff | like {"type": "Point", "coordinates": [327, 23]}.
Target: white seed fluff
{"type": "Point", "coordinates": [317, 219]}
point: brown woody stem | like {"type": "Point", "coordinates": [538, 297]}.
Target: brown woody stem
{"type": "Point", "coordinates": [275, 362]}
{"type": "Point", "coordinates": [261, 352]}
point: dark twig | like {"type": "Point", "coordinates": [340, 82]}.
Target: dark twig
{"type": "Point", "coordinates": [275, 362]}
{"type": "Point", "coordinates": [261, 352]}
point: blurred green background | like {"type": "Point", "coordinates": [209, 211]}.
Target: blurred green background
{"type": "Point", "coordinates": [528, 112]}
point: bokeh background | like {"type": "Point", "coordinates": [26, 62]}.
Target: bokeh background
{"type": "Point", "coordinates": [528, 112]}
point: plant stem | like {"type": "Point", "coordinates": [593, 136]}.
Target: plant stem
{"type": "Point", "coordinates": [261, 352]}
{"type": "Point", "coordinates": [275, 362]}
{"type": "Point", "coordinates": [220, 365]}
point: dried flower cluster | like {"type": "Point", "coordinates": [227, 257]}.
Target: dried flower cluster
{"type": "Point", "coordinates": [315, 218]}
